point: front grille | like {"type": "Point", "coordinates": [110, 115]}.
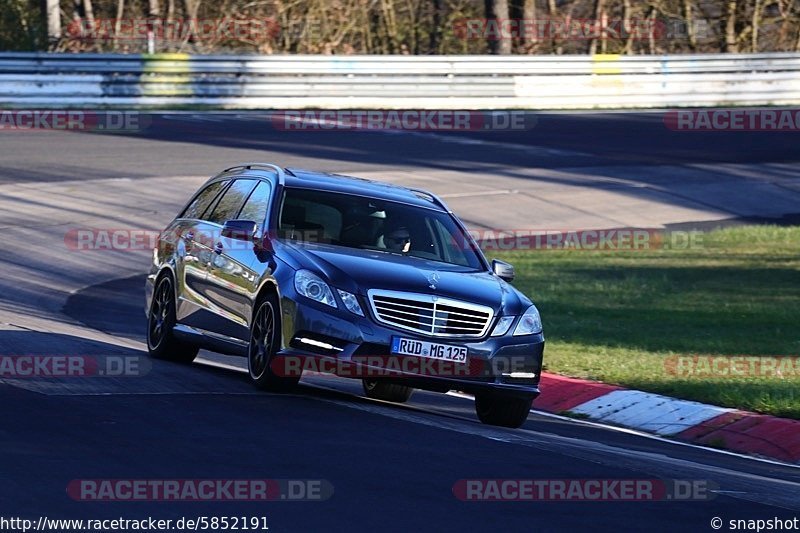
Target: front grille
{"type": "Point", "coordinates": [430, 315]}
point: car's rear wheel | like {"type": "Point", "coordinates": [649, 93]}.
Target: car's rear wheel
{"type": "Point", "coordinates": [265, 341]}
{"type": "Point", "coordinates": [390, 392]}
{"type": "Point", "coordinates": [161, 341]}
{"type": "Point", "coordinates": [506, 411]}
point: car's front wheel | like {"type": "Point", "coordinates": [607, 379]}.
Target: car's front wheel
{"type": "Point", "coordinates": [389, 392]}
{"type": "Point", "coordinates": [161, 341]}
{"type": "Point", "coordinates": [506, 411]}
{"type": "Point", "coordinates": [265, 341]}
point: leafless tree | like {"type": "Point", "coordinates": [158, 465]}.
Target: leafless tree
{"type": "Point", "coordinates": [418, 26]}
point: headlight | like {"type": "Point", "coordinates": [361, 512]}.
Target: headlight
{"type": "Point", "coordinates": [350, 302]}
{"type": "Point", "coordinates": [502, 326]}
{"type": "Point", "coordinates": [311, 286]}
{"type": "Point", "coordinates": [530, 323]}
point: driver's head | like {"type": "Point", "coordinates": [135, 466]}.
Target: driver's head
{"type": "Point", "coordinates": [397, 239]}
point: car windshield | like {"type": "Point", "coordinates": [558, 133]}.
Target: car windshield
{"type": "Point", "coordinates": [374, 224]}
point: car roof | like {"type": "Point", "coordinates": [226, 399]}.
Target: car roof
{"type": "Point", "coordinates": [309, 179]}
{"type": "Point", "coordinates": [324, 181]}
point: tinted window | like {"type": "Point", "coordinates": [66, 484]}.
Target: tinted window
{"type": "Point", "coordinates": [451, 249]}
{"type": "Point", "coordinates": [230, 203]}
{"type": "Point", "coordinates": [374, 224]}
{"type": "Point", "coordinates": [203, 200]}
{"type": "Point", "coordinates": [256, 206]}
{"type": "Point", "coordinates": [316, 220]}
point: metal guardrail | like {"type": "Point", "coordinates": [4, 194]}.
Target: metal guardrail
{"type": "Point", "coordinates": [423, 82]}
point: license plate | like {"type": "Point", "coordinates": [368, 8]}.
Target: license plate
{"type": "Point", "coordinates": [432, 350]}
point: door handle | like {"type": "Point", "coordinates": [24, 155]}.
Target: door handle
{"type": "Point", "coordinates": [218, 248]}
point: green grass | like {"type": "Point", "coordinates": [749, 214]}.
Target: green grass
{"type": "Point", "coordinates": [616, 316]}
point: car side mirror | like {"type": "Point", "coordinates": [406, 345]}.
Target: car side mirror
{"type": "Point", "coordinates": [240, 230]}
{"type": "Point", "coordinates": [503, 270]}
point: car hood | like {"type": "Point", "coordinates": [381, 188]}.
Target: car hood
{"type": "Point", "coordinates": [357, 271]}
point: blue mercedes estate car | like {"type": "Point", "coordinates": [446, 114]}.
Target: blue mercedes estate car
{"type": "Point", "coordinates": [378, 281]}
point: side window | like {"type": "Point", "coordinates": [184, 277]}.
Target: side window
{"type": "Point", "coordinates": [453, 251]}
{"type": "Point", "coordinates": [203, 200]}
{"type": "Point", "coordinates": [230, 203]}
{"type": "Point", "coordinates": [256, 206]}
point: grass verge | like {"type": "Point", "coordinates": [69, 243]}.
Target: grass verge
{"type": "Point", "coordinates": [627, 317]}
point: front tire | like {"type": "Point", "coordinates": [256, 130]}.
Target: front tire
{"type": "Point", "coordinates": [505, 411]}
{"type": "Point", "coordinates": [265, 341]}
{"type": "Point", "coordinates": [161, 341]}
{"type": "Point", "coordinates": [389, 392]}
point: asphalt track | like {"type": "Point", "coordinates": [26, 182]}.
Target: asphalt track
{"type": "Point", "coordinates": [392, 468]}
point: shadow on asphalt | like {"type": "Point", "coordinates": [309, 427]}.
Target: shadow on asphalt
{"type": "Point", "coordinates": [115, 307]}
{"type": "Point", "coordinates": [596, 143]}
{"type": "Point", "coordinates": [26, 342]}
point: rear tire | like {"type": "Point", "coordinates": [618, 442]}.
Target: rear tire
{"type": "Point", "coordinates": [389, 392]}
{"type": "Point", "coordinates": [505, 411]}
{"type": "Point", "coordinates": [161, 341]}
{"type": "Point", "coordinates": [265, 341]}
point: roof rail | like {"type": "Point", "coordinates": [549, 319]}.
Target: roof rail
{"type": "Point", "coordinates": [435, 198]}
{"type": "Point", "coordinates": [271, 166]}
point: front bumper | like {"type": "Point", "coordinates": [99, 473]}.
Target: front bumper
{"type": "Point", "coordinates": [335, 340]}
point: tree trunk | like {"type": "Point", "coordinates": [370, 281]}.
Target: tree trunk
{"type": "Point", "coordinates": [436, 30]}
{"type": "Point", "coordinates": [530, 39]}
{"type": "Point", "coordinates": [626, 27]}
{"type": "Point", "coordinates": [153, 12]}
{"type": "Point", "coordinates": [191, 8]}
{"type": "Point", "coordinates": [755, 23]}
{"type": "Point", "coordinates": [53, 17]}
{"type": "Point", "coordinates": [84, 15]}
{"type": "Point", "coordinates": [688, 15]}
{"type": "Point", "coordinates": [797, 44]}
{"type": "Point", "coordinates": [498, 10]}
{"type": "Point", "coordinates": [552, 13]}
{"type": "Point", "coordinates": [118, 21]}
{"type": "Point", "coordinates": [730, 27]}
{"type": "Point", "coordinates": [784, 24]}
{"type": "Point", "coordinates": [598, 15]}
{"type": "Point", "coordinates": [88, 11]}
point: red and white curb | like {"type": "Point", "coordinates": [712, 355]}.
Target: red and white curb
{"type": "Point", "coordinates": [719, 427]}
